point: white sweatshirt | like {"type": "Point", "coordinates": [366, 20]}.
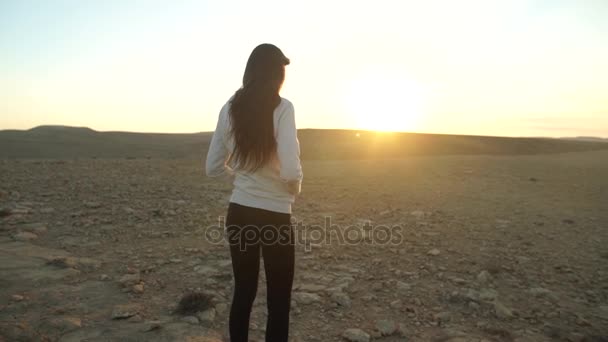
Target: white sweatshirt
{"type": "Point", "coordinates": [272, 187]}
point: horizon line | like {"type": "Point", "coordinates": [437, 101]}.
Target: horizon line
{"type": "Point", "coordinates": [310, 128]}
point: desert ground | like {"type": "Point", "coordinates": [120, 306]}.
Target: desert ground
{"type": "Point", "coordinates": [494, 248]}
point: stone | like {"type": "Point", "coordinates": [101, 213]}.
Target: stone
{"type": "Point", "coordinates": [501, 310]}
{"type": "Point", "coordinates": [341, 299]}
{"type": "Point", "coordinates": [487, 294]}
{"type": "Point", "coordinates": [433, 252]}
{"type": "Point", "coordinates": [484, 277]}
{"type": "Point", "coordinates": [36, 228]}
{"type": "Point", "coordinates": [64, 324]}
{"type": "Point", "coordinates": [17, 298]}
{"type": "Point", "coordinates": [122, 311]}
{"type": "Point", "coordinates": [386, 327]}
{"type": "Point", "coordinates": [385, 212]}
{"type": "Point", "coordinates": [401, 286]}
{"type": "Point", "coordinates": [84, 264]}
{"type": "Point", "coordinates": [221, 308]}
{"type": "Point", "coordinates": [396, 304]}
{"type": "Point", "coordinates": [92, 204]}
{"type": "Point", "coordinates": [190, 320]}
{"type": "Point", "coordinates": [129, 280]}
{"type": "Point", "coordinates": [444, 316]}
{"type": "Point", "coordinates": [25, 236]}
{"type": "Point", "coordinates": [417, 214]}
{"type": "Point", "coordinates": [306, 298]}
{"type": "Point", "coordinates": [355, 335]}
{"type": "Point", "coordinates": [543, 293]}
{"type": "Point", "coordinates": [207, 316]}
{"type": "Point", "coordinates": [138, 288]}
{"type": "Point", "coordinates": [311, 288]}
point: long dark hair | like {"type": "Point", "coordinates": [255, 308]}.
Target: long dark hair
{"type": "Point", "coordinates": [253, 105]}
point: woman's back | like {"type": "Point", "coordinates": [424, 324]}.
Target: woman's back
{"type": "Point", "coordinates": [267, 187]}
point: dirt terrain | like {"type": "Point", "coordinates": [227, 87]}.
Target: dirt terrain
{"type": "Point", "coordinates": [493, 248]}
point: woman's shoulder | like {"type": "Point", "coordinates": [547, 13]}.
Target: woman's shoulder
{"type": "Point", "coordinates": [285, 104]}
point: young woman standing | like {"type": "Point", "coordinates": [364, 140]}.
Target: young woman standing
{"type": "Point", "coordinates": [256, 141]}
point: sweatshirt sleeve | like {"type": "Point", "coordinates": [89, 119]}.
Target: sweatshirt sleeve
{"type": "Point", "coordinates": [288, 147]}
{"type": "Point", "coordinates": [215, 164]}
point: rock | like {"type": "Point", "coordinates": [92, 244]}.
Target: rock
{"type": "Point", "coordinates": [417, 214]}
{"type": "Point", "coordinates": [484, 277]}
{"type": "Point", "coordinates": [136, 319]}
{"type": "Point", "coordinates": [457, 280]}
{"type": "Point", "coordinates": [434, 252]}
{"type": "Point", "coordinates": [396, 304]}
{"type": "Point", "coordinates": [104, 277]}
{"type": "Point", "coordinates": [341, 299]}
{"type": "Point", "coordinates": [582, 321]}
{"type": "Point", "coordinates": [401, 286]}
{"type": "Point", "coordinates": [450, 335]}
{"type": "Point", "coordinates": [64, 324]}
{"type": "Point", "coordinates": [25, 236]}
{"type": "Point", "coordinates": [17, 298]}
{"type": "Point", "coordinates": [36, 228]}
{"type": "Point", "coordinates": [92, 204]}
{"type": "Point", "coordinates": [487, 294]}
{"type": "Point", "coordinates": [129, 280]}
{"type": "Point", "coordinates": [385, 212]}
{"type": "Point", "coordinates": [356, 335]}
{"type": "Point", "coordinates": [444, 316]}
{"type": "Point", "coordinates": [124, 311]}
{"type": "Point", "coordinates": [190, 320]}
{"type": "Point", "coordinates": [377, 286]}
{"type": "Point", "coordinates": [386, 327]}
{"type": "Point", "coordinates": [152, 325]}
{"type": "Point", "coordinates": [501, 310]}
{"type": "Point", "coordinates": [84, 264]}
{"type": "Point", "coordinates": [206, 270]}
{"type": "Point", "coordinates": [369, 297]}
{"type": "Point", "coordinates": [221, 308]}
{"type": "Point", "coordinates": [311, 288]}
{"type": "Point", "coordinates": [207, 316]}
{"type": "Point", "coordinates": [544, 293]}
{"type": "Point", "coordinates": [306, 298]}
{"type": "Point", "coordinates": [138, 288]}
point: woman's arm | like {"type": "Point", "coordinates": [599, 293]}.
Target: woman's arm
{"type": "Point", "coordinates": [288, 150]}
{"type": "Point", "coordinates": [218, 153]}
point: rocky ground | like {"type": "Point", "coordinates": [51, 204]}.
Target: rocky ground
{"type": "Point", "coordinates": [493, 249]}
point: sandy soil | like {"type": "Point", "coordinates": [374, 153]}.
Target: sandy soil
{"type": "Point", "coordinates": [493, 249]}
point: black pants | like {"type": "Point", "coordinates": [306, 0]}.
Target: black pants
{"type": "Point", "coordinates": [249, 231]}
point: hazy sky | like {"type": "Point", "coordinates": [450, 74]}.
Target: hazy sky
{"type": "Point", "coordinates": [512, 67]}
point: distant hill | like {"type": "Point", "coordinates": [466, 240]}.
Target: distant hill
{"type": "Point", "coordinates": [81, 142]}
{"type": "Point", "coordinates": [594, 139]}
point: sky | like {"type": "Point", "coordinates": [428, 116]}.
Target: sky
{"type": "Point", "coordinates": [483, 67]}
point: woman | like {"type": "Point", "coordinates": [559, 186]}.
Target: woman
{"type": "Point", "coordinates": [256, 142]}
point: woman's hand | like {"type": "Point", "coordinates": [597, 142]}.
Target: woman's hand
{"type": "Point", "coordinates": [294, 187]}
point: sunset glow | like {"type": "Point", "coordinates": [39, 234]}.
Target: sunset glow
{"type": "Point", "coordinates": [511, 68]}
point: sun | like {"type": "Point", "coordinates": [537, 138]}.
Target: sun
{"type": "Point", "coordinates": [384, 101]}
